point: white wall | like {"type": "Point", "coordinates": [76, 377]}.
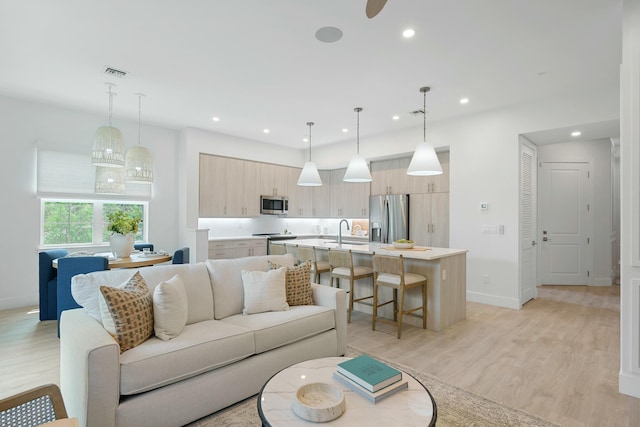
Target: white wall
{"type": "Point", "coordinates": [598, 154]}
{"type": "Point", "coordinates": [629, 377]}
{"type": "Point", "coordinates": [23, 123]}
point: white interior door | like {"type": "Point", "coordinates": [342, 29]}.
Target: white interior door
{"type": "Point", "coordinates": [564, 222]}
{"type": "Point", "coordinates": [528, 223]}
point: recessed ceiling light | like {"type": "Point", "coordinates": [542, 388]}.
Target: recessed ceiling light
{"type": "Point", "coordinates": [215, 119]}
{"type": "Point", "coordinates": [576, 133]}
{"type": "Point", "coordinates": [345, 130]}
{"type": "Point", "coordinates": [396, 117]}
{"type": "Point", "coordinates": [464, 101]}
{"type": "Point", "coordinates": [265, 130]}
{"type": "Point", "coordinates": [408, 33]}
{"type": "Point", "coordinates": [305, 139]}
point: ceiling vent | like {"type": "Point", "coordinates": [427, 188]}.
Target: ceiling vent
{"type": "Point", "coordinates": [113, 72]}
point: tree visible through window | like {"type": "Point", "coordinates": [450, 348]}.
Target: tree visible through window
{"type": "Point", "coordinates": [70, 222]}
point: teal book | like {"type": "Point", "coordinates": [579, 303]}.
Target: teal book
{"type": "Point", "coordinates": [370, 373]}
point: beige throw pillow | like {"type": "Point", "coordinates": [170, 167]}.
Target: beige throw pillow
{"type": "Point", "coordinates": [170, 308]}
{"type": "Point", "coordinates": [127, 312]}
{"type": "Point", "coordinates": [264, 291]}
{"type": "Point", "coordinates": [298, 284]}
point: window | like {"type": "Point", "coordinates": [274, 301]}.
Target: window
{"type": "Point", "coordinates": [84, 222]}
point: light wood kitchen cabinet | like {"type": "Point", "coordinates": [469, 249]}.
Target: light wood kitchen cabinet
{"type": "Point", "coordinates": [213, 186]}
{"type": "Point", "coordinates": [322, 196]}
{"type": "Point", "coordinates": [228, 187]}
{"type": "Point", "coordinates": [348, 199]}
{"type": "Point", "coordinates": [390, 177]}
{"type": "Point", "coordinates": [273, 179]}
{"type": "Point", "coordinates": [300, 197]}
{"type": "Point", "coordinates": [429, 219]}
{"type": "Point", "coordinates": [237, 248]}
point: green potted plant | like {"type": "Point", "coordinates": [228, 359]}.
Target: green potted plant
{"type": "Point", "coordinates": [123, 226]}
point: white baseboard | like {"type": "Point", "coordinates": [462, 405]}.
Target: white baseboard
{"type": "Point", "coordinates": [17, 302]}
{"type": "Point", "coordinates": [493, 300]}
{"type": "Point", "coordinates": [602, 281]}
{"type": "Point", "coordinates": [629, 384]}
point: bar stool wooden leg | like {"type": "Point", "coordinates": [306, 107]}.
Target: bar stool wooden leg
{"type": "Point", "coordinates": [374, 312]}
{"type": "Point", "coordinates": [401, 309]}
{"type": "Point", "coordinates": [424, 306]}
{"type": "Point", "coordinates": [351, 295]}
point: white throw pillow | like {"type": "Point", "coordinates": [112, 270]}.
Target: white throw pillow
{"type": "Point", "coordinates": [170, 308]}
{"type": "Point", "coordinates": [264, 291]}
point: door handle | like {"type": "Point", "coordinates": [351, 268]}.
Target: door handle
{"type": "Point", "coordinates": [546, 239]}
{"type": "Point", "coordinates": [533, 243]}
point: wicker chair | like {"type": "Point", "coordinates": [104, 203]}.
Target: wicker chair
{"type": "Point", "coordinates": [307, 253]}
{"type": "Point", "coordinates": [34, 407]}
{"type": "Point", "coordinates": [389, 271]}
{"type": "Point", "coordinates": [277, 249]}
{"type": "Point", "coordinates": [342, 267]}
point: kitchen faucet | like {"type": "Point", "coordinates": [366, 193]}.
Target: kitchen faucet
{"type": "Point", "coordinates": [340, 230]}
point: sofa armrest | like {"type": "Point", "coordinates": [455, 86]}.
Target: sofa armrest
{"type": "Point", "coordinates": [89, 369]}
{"type": "Point", "coordinates": [335, 298]}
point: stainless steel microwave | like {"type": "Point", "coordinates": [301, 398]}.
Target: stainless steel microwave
{"type": "Point", "coordinates": [274, 205]}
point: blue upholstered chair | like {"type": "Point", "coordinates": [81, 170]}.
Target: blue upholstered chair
{"type": "Point", "coordinates": [69, 267]}
{"type": "Point", "coordinates": [141, 246]}
{"type": "Point", "coordinates": [48, 283]}
{"type": "Point", "coordinates": [181, 256]}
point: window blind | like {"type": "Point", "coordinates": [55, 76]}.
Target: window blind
{"type": "Point", "coordinates": [63, 174]}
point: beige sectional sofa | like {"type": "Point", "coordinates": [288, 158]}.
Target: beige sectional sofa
{"type": "Point", "coordinates": [221, 357]}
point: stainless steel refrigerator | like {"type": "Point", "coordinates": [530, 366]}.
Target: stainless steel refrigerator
{"type": "Point", "coordinates": [388, 218]}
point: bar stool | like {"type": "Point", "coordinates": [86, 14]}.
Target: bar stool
{"type": "Point", "coordinates": [277, 249]}
{"type": "Point", "coordinates": [389, 271]}
{"type": "Point", "coordinates": [306, 253]}
{"type": "Point", "coordinates": [341, 264]}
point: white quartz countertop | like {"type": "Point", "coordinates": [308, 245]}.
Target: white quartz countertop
{"type": "Point", "coordinates": [431, 253]}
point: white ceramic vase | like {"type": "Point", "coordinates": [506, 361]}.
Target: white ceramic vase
{"type": "Point", "coordinates": [121, 244]}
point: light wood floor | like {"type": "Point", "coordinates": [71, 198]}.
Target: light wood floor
{"type": "Point", "coordinates": [557, 358]}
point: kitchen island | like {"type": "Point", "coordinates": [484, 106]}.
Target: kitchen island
{"type": "Point", "coordinates": [444, 268]}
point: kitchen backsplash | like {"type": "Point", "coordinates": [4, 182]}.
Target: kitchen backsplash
{"type": "Point", "coordinates": [239, 227]}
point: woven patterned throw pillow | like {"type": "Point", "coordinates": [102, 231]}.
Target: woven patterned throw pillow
{"type": "Point", "coordinates": [298, 284]}
{"type": "Point", "coordinates": [127, 312]}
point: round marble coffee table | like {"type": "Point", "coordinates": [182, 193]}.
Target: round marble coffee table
{"type": "Point", "coordinates": [411, 407]}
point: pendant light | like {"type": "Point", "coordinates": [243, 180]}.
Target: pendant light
{"type": "Point", "coordinates": [358, 170]}
{"type": "Point", "coordinates": [109, 180]}
{"type": "Point", "coordinates": [138, 160]}
{"type": "Point", "coordinates": [108, 143]}
{"type": "Point", "coordinates": [425, 160]}
{"type": "Point", "coordinates": [309, 177]}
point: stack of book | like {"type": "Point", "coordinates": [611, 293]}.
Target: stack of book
{"type": "Point", "coordinates": [370, 378]}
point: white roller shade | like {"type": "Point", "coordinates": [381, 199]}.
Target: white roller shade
{"type": "Point", "coordinates": [62, 174]}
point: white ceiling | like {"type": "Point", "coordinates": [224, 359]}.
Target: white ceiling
{"type": "Point", "coordinates": [256, 63]}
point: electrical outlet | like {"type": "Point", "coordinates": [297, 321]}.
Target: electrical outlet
{"type": "Point", "coordinates": [485, 279]}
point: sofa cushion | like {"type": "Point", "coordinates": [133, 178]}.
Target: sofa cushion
{"type": "Point", "coordinates": [278, 328]}
{"type": "Point", "coordinates": [127, 312]}
{"type": "Point", "coordinates": [264, 291]}
{"type": "Point", "coordinates": [170, 308]}
{"type": "Point", "coordinates": [201, 347]}
{"type": "Point", "coordinates": [298, 284]}
{"type": "Point", "coordinates": [226, 280]}
{"type": "Point", "coordinates": [85, 287]}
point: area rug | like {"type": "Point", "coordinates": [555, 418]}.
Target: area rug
{"type": "Point", "coordinates": [456, 408]}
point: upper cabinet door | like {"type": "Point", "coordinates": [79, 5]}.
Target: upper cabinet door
{"type": "Point", "coordinates": [212, 186]}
